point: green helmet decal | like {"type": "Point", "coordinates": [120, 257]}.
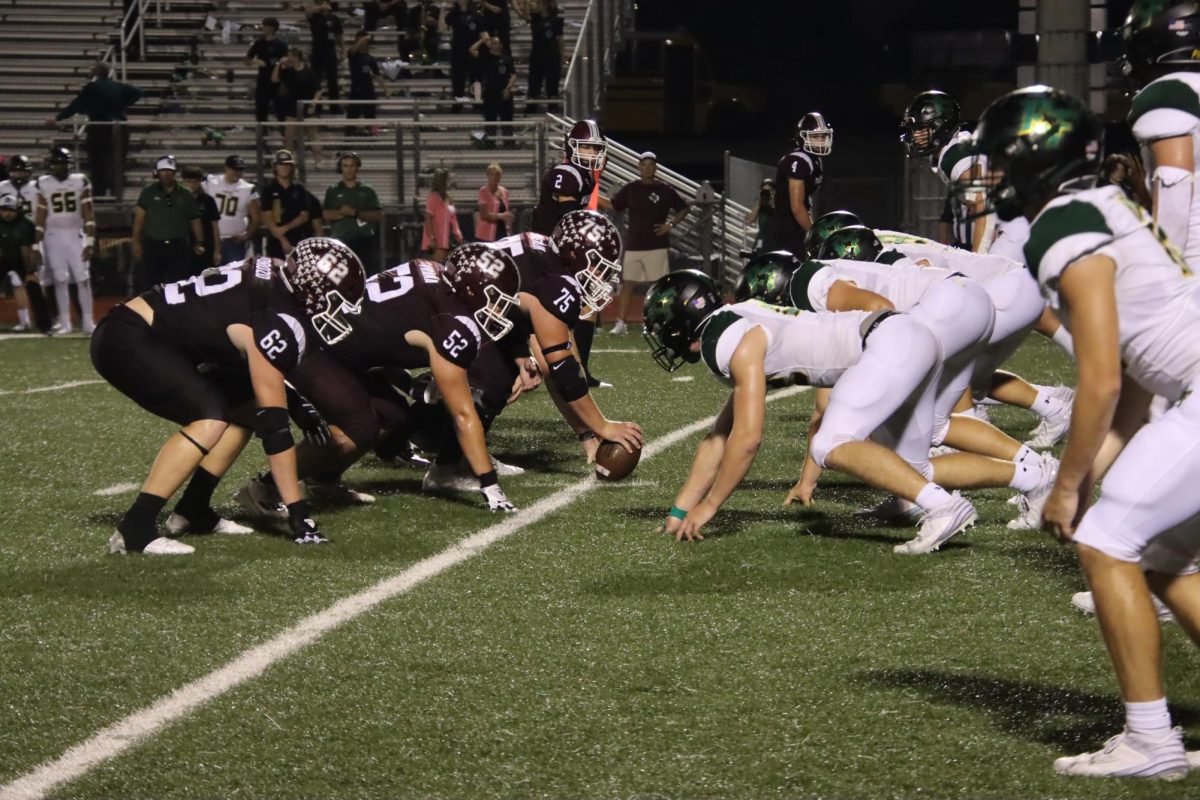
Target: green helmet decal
{"type": "Point", "coordinates": [929, 122]}
{"type": "Point", "coordinates": [1035, 140]}
{"type": "Point", "coordinates": [677, 306]}
{"type": "Point", "coordinates": [826, 225]}
{"type": "Point", "coordinates": [855, 243]}
{"type": "Point", "coordinates": [766, 278]}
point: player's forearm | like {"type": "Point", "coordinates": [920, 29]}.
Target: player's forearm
{"type": "Point", "coordinates": [802, 217]}
{"type": "Point", "coordinates": [740, 451]}
{"type": "Point", "coordinates": [469, 430]}
{"type": "Point", "coordinates": [1091, 420]}
{"type": "Point", "coordinates": [704, 471]}
{"type": "Point", "coordinates": [371, 214]}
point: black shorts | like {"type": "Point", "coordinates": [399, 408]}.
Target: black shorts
{"type": "Point", "coordinates": [339, 394]}
{"type": "Point", "coordinates": [160, 378]}
{"type": "Point", "coordinates": [491, 376]}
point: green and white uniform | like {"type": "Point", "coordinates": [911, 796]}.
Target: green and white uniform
{"type": "Point", "coordinates": [1001, 238]}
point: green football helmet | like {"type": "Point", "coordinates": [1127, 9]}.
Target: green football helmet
{"type": "Point", "coordinates": [677, 306]}
{"type": "Point", "coordinates": [1160, 37]}
{"type": "Point", "coordinates": [854, 243]}
{"type": "Point", "coordinates": [766, 277]}
{"type": "Point", "coordinates": [825, 225]}
{"type": "Point", "coordinates": [1035, 141]}
{"type": "Point", "coordinates": [928, 123]}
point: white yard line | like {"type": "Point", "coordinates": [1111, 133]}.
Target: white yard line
{"type": "Point", "coordinates": [116, 489]}
{"type": "Point", "coordinates": [141, 725]}
{"type": "Point", "coordinates": [620, 350]}
{"type": "Point", "coordinates": [58, 387]}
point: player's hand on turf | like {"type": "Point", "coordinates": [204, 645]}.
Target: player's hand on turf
{"type": "Point", "coordinates": [497, 500]}
{"type": "Point", "coordinates": [802, 492]}
{"type": "Point", "coordinates": [1061, 513]}
{"type": "Point", "coordinates": [304, 528]}
{"type": "Point", "coordinates": [670, 526]}
{"type": "Point", "coordinates": [696, 519]}
{"type": "Point", "coordinates": [627, 434]}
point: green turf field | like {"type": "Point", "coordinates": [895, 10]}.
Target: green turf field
{"type": "Point", "coordinates": [791, 654]}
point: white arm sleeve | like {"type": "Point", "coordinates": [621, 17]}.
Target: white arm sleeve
{"type": "Point", "coordinates": [1173, 189]}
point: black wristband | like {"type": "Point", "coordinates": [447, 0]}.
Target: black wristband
{"type": "Point", "coordinates": [589, 434]}
{"type": "Point", "coordinates": [487, 479]}
{"type": "Point", "coordinates": [298, 511]}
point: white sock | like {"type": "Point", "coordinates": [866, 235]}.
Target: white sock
{"type": "Point", "coordinates": [1027, 456]}
{"type": "Point", "coordinates": [1062, 337]}
{"type": "Point", "coordinates": [1026, 476]}
{"type": "Point", "coordinates": [1046, 403]}
{"type": "Point", "coordinates": [23, 316]}
{"type": "Point", "coordinates": [63, 297]}
{"type": "Point", "coordinates": [1148, 719]}
{"type": "Point", "coordinates": [84, 288]}
{"type": "Point", "coordinates": [933, 497]}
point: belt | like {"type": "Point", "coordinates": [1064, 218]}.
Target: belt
{"type": "Point", "coordinates": [872, 322]}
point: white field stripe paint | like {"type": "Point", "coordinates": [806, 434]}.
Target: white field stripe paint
{"type": "Point", "coordinates": [141, 725]}
{"type": "Point", "coordinates": [620, 350]}
{"type": "Point", "coordinates": [684, 379]}
{"type": "Point", "coordinates": [116, 489]}
{"type": "Point", "coordinates": [58, 387]}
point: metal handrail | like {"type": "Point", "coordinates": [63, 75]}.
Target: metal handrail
{"type": "Point", "coordinates": [118, 58]}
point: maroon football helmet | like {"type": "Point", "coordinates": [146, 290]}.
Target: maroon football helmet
{"type": "Point", "coordinates": [814, 134]}
{"type": "Point", "coordinates": [327, 278]}
{"type": "Point", "coordinates": [585, 146]}
{"type": "Point", "coordinates": [590, 246]}
{"type": "Point", "coordinates": [487, 281]}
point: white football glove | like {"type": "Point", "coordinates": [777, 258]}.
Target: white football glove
{"type": "Point", "coordinates": [497, 500]}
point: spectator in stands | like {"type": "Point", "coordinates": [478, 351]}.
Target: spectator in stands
{"type": "Point", "coordinates": [395, 10]}
{"type": "Point", "coordinates": [465, 25]}
{"type": "Point", "coordinates": [654, 209]}
{"type": "Point", "coordinates": [364, 71]}
{"type": "Point", "coordinates": [352, 209]}
{"type": "Point", "coordinates": [237, 202]}
{"type": "Point", "coordinates": [327, 47]}
{"type": "Point", "coordinates": [295, 83]}
{"type": "Point", "coordinates": [16, 264]}
{"type": "Point", "coordinates": [763, 213]}
{"type": "Point", "coordinates": [441, 218]}
{"type": "Point", "coordinates": [210, 216]}
{"type": "Point", "coordinates": [425, 30]}
{"type": "Point", "coordinates": [286, 207]}
{"type": "Point", "coordinates": [103, 100]}
{"type": "Point", "coordinates": [545, 46]}
{"type": "Point", "coordinates": [495, 214]}
{"type": "Point", "coordinates": [496, 20]}
{"type": "Point", "coordinates": [165, 223]}
{"type": "Point", "coordinates": [498, 77]}
{"type": "Point", "coordinates": [265, 53]}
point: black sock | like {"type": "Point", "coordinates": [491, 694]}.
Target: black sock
{"type": "Point", "coordinates": [585, 331]}
{"type": "Point", "coordinates": [196, 502]}
{"type": "Point", "coordinates": [139, 526]}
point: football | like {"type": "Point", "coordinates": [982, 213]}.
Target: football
{"type": "Point", "coordinates": [614, 462]}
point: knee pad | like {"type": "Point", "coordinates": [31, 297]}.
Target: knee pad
{"type": "Point", "coordinates": [274, 427]}
{"type": "Point", "coordinates": [824, 443]}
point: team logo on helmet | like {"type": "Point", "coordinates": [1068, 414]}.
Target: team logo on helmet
{"type": "Point", "coordinates": [590, 246]}
{"type": "Point", "coordinates": [766, 277]}
{"type": "Point", "coordinates": [487, 281]}
{"type": "Point", "coordinates": [854, 243]}
{"type": "Point", "coordinates": [327, 278]}
{"type": "Point", "coordinates": [678, 305]}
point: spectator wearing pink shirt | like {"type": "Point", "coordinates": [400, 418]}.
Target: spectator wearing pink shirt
{"type": "Point", "coordinates": [495, 214]}
{"type": "Point", "coordinates": [441, 218]}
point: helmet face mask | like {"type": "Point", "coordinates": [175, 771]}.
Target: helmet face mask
{"type": "Point", "coordinates": [814, 135]}
{"type": "Point", "coordinates": [332, 324]}
{"type": "Point", "coordinates": [678, 306]}
{"type": "Point", "coordinates": [488, 283]}
{"type": "Point", "coordinates": [928, 124]}
{"type": "Point", "coordinates": [21, 164]}
{"type": "Point", "coordinates": [585, 146]}
{"type": "Point", "coordinates": [59, 161]}
{"type": "Point", "coordinates": [590, 246]}
{"type": "Point", "coordinates": [327, 278]}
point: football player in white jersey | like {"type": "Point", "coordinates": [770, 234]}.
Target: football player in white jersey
{"type": "Point", "coordinates": [20, 183]}
{"type": "Point", "coordinates": [66, 237]}
{"type": "Point", "coordinates": [237, 203]}
{"type": "Point", "coordinates": [1130, 301]}
{"type": "Point", "coordinates": [881, 437]}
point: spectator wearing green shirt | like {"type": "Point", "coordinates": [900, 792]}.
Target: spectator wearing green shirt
{"type": "Point", "coordinates": [165, 223]}
{"type": "Point", "coordinates": [102, 100]}
{"type": "Point", "coordinates": [352, 209]}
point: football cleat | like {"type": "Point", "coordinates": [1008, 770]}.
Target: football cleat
{"type": "Point", "coordinates": [1054, 426]}
{"type": "Point", "coordinates": [1085, 602]}
{"type": "Point", "coordinates": [449, 478]}
{"type": "Point", "coordinates": [1131, 755]}
{"type": "Point", "coordinates": [162, 546]}
{"type": "Point", "coordinates": [335, 493]}
{"type": "Point", "coordinates": [938, 526]}
{"type": "Point", "coordinates": [893, 509]}
{"type": "Point", "coordinates": [1031, 503]}
{"type": "Point", "coordinates": [260, 498]}
{"type": "Point", "coordinates": [506, 470]}
{"type": "Point", "coordinates": [178, 524]}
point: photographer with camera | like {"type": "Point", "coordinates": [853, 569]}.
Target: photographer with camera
{"type": "Point", "coordinates": [763, 213]}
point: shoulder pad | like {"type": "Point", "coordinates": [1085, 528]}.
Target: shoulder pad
{"type": "Point", "coordinates": [1073, 230]}
{"type": "Point", "coordinates": [713, 331]}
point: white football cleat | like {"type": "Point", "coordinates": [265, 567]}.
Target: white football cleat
{"type": "Point", "coordinates": [1130, 755]}
{"type": "Point", "coordinates": [1085, 602]}
{"type": "Point", "coordinates": [1054, 427]}
{"type": "Point", "coordinates": [178, 524]}
{"type": "Point", "coordinates": [938, 526]}
{"type": "Point", "coordinates": [162, 546]}
{"type": "Point", "coordinates": [449, 478]}
{"type": "Point", "coordinates": [336, 493]}
{"type": "Point", "coordinates": [619, 328]}
{"type": "Point", "coordinates": [1031, 503]}
{"type": "Point", "coordinates": [893, 509]}
{"type": "Point", "coordinates": [506, 470]}
{"type": "Point", "coordinates": [261, 499]}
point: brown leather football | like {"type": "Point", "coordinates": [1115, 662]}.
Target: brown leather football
{"type": "Point", "coordinates": [614, 462]}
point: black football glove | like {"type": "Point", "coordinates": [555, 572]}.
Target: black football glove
{"type": "Point", "coordinates": [307, 419]}
{"type": "Point", "coordinates": [304, 529]}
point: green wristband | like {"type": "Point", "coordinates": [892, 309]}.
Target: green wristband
{"type": "Point", "coordinates": [677, 512]}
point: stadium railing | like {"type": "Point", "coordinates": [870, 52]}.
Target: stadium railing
{"type": "Point", "coordinates": [603, 25]}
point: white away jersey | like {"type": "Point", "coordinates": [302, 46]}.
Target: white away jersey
{"type": "Point", "coordinates": [63, 200]}
{"type": "Point", "coordinates": [903, 283]}
{"type": "Point", "coordinates": [955, 158]}
{"type": "Point", "coordinates": [1165, 108]}
{"type": "Point", "coordinates": [802, 346]}
{"type": "Point", "coordinates": [1158, 300]}
{"type": "Point", "coordinates": [233, 203]}
{"type": "Point", "coordinates": [979, 267]}
{"type": "Point", "coordinates": [27, 192]}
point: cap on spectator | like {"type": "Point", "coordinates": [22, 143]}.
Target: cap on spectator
{"type": "Point", "coordinates": [236, 162]}
{"type": "Point", "coordinates": [9, 201]}
{"type": "Point", "coordinates": [166, 162]}
{"type": "Point", "coordinates": [191, 173]}
{"type": "Point", "coordinates": [648, 154]}
{"type": "Point", "coordinates": [284, 157]}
